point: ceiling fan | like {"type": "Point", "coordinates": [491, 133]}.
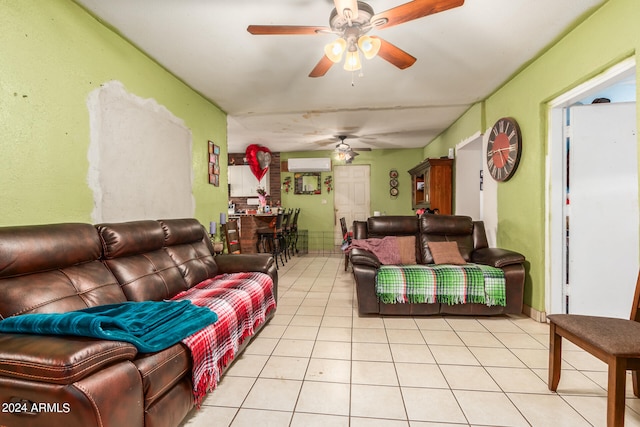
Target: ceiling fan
{"type": "Point", "coordinates": [351, 20]}
{"type": "Point", "coordinates": [344, 151]}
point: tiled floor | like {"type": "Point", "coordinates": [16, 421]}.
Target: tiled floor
{"type": "Point", "coordinates": [318, 364]}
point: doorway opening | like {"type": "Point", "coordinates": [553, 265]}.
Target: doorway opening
{"type": "Point", "coordinates": [469, 178]}
{"type": "Point", "coordinates": [584, 197]}
{"type": "Point", "coordinates": [476, 195]}
{"type": "Point", "coordinates": [351, 197]}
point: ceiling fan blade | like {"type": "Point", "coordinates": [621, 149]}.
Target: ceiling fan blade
{"type": "Point", "coordinates": [321, 67]}
{"type": "Point", "coordinates": [394, 54]}
{"type": "Point", "coordinates": [412, 10]}
{"type": "Point", "coordinates": [271, 30]}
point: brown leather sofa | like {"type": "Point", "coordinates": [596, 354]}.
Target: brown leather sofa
{"type": "Point", "coordinates": [79, 382]}
{"type": "Point", "coordinates": [473, 246]}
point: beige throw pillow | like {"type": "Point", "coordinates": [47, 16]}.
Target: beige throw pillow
{"type": "Point", "coordinates": [446, 253]}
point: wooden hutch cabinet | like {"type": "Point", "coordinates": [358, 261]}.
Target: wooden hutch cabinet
{"type": "Point", "coordinates": [431, 185]}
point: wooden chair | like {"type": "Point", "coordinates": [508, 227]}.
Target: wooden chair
{"type": "Point", "coordinates": [271, 239]}
{"type": "Point", "coordinates": [232, 235]}
{"type": "Point", "coordinates": [293, 233]}
{"type": "Point", "coordinates": [346, 237]}
{"type": "Point", "coordinates": [284, 231]}
{"type": "Point", "coordinates": [614, 341]}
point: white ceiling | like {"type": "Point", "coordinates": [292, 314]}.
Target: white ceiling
{"type": "Point", "coordinates": [262, 82]}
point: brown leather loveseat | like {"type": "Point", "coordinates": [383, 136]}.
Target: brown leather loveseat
{"type": "Point", "coordinates": [472, 244]}
{"type": "Point", "coordinates": [72, 381]}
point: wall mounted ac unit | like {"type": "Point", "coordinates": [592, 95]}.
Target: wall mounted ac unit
{"type": "Point", "coordinates": [309, 165]}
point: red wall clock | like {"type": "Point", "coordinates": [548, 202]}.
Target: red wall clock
{"type": "Point", "coordinates": [504, 149]}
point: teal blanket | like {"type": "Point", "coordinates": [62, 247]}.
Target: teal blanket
{"type": "Point", "coordinates": [444, 283]}
{"type": "Point", "coordinates": [150, 325]}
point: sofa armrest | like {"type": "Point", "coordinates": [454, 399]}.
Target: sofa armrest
{"type": "Point", "coordinates": [57, 359]}
{"type": "Point", "coordinates": [496, 257]}
{"type": "Point", "coordinates": [239, 263]}
{"type": "Point", "coordinates": [363, 257]}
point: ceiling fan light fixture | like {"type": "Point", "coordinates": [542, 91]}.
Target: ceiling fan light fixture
{"type": "Point", "coordinates": [352, 63]}
{"type": "Point", "coordinates": [349, 156]}
{"type": "Point", "coordinates": [370, 46]}
{"type": "Point", "coordinates": [342, 147]}
{"type": "Point", "coordinates": [335, 49]}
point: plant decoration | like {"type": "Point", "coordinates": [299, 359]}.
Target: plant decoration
{"type": "Point", "coordinates": [328, 181]}
{"type": "Point", "coordinates": [286, 184]}
{"type": "Point", "coordinates": [262, 196]}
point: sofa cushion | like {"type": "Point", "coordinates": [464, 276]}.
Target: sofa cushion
{"type": "Point", "coordinates": [446, 253]}
{"type": "Point", "coordinates": [134, 252]}
{"type": "Point", "coordinates": [389, 225]}
{"type": "Point", "coordinates": [52, 269]}
{"type": "Point", "coordinates": [130, 238]}
{"type": "Point", "coordinates": [188, 244]}
{"type": "Point", "coordinates": [446, 228]}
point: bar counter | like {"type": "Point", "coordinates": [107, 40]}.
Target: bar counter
{"type": "Point", "coordinates": [249, 223]}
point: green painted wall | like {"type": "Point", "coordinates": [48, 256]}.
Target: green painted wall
{"type": "Point", "coordinates": [606, 37]}
{"type": "Point", "coordinates": [318, 217]}
{"type": "Point", "coordinates": [53, 55]}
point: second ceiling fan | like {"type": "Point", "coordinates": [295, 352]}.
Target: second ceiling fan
{"type": "Point", "coordinates": [351, 20]}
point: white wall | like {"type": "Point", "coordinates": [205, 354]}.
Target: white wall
{"type": "Point", "coordinates": [468, 164]}
{"type": "Point", "coordinates": [139, 158]}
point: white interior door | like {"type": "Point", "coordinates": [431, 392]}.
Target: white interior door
{"type": "Point", "coordinates": [351, 196]}
{"type": "Point", "coordinates": [603, 209]}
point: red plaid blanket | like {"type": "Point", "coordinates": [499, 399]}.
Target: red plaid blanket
{"type": "Point", "coordinates": [242, 302]}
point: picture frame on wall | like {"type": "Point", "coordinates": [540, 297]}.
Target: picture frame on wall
{"type": "Point", "coordinates": [214, 163]}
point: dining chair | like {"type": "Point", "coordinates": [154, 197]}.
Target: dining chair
{"type": "Point", "coordinates": [271, 239]}
{"type": "Point", "coordinates": [346, 239]}
{"type": "Point", "coordinates": [614, 341]}
{"type": "Point", "coordinates": [284, 231]}
{"type": "Point", "coordinates": [293, 232]}
{"type": "Point", "coordinates": [232, 235]}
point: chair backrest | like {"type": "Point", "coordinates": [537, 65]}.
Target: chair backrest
{"type": "Point", "coordinates": [232, 235]}
{"type": "Point", "coordinates": [286, 218]}
{"type": "Point", "coordinates": [635, 308]}
{"type": "Point", "coordinates": [294, 222]}
{"type": "Point", "coordinates": [345, 231]}
{"type": "Point", "coordinates": [279, 219]}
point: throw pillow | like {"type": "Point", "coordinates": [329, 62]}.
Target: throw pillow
{"type": "Point", "coordinates": [446, 253]}
{"type": "Point", "coordinates": [407, 249]}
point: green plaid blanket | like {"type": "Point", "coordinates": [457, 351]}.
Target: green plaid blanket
{"type": "Point", "coordinates": [447, 284]}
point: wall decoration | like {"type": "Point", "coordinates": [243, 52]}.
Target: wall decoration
{"type": "Point", "coordinates": [214, 164]}
{"type": "Point", "coordinates": [504, 148]}
{"type": "Point", "coordinates": [393, 183]}
{"type": "Point", "coordinates": [259, 159]}
{"type": "Point", "coordinates": [328, 181]}
{"type": "Point", "coordinates": [286, 184]}
{"type": "Point", "coordinates": [307, 183]}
